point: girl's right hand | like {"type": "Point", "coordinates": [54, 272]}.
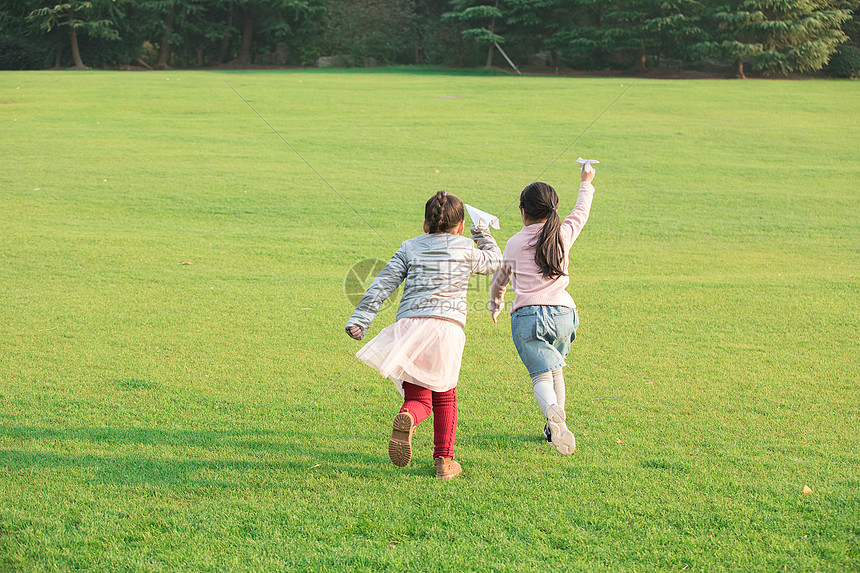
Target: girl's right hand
{"type": "Point", "coordinates": [355, 332]}
{"type": "Point", "coordinates": [587, 176]}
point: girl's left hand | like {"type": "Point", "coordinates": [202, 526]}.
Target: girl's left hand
{"type": "Point", "coordinates": [495, 311]}
{"type": "Point", "coordinates": [355, 332]}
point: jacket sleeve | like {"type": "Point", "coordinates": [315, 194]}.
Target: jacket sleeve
{"type": "Point", "coordinates": [573, 223]}
{"type": "Point", "coordinates": [487, 257]}
{"type": "Point", "coordinates": [385, 283]}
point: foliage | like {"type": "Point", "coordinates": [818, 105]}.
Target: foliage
{"type": "Point", "coordinates": [777, 36]}
{"type": "Point", "coordinates": [21, 46]}
{"type": "Point", "coordinates": [380, 29]}
{"type": "Point", "coordinates": [22, 53]}
{"type": "Point", "coordinates": [478, 22]}
{"type": "Point", "coordinates": [845, 62]}
{"type": "Point", "coordinates": [647, 25]}
{"type": "Point", "coordinates": [773, 36]}
{"type": "Point", "coordinates": [77, 14]}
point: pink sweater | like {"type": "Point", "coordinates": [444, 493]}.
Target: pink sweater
{"type": "Point", "coordinates": [530, 285]}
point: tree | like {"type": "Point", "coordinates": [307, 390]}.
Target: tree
{"type": "Point", "coordinates": [579, 38]}
{"type": "Point", "coordinates": [598, 31]}
{"type": "Point", "coordinates": [532, 24]}
{"type": "Point", "coordinates": [76, 15]}
{"type": "Point", "coordinates": [270, 21]}
{"type": "Point", "coordinates": [644, 26]}
{"type": "Point", "coordinates": [167, 23]}
{"type": "Point", "coordinates": [481, 21]}
{"type": "Point", "coordinates": [379, 29]}
{"type": "Point", "coordinates": [22, 46]}
{"type": "Point", "coordinates": [777, 36]}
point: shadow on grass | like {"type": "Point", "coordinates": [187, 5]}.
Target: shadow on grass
{"type": "Point", "coordinates": [496, 441]}
{"type": "Point", "coordinates": [268, 458]}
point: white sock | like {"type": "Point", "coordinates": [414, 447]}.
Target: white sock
{"type": "Point", "coordinates": [558, 385]}
{"type": "Point", "coordinates": [542, 384]}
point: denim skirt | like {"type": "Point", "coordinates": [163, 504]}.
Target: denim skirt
{"type": "Point", "coordinates": [542, 335]}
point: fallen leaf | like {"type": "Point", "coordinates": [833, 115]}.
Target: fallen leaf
{"type": "Point", "coordinates": [807, 490]}
{"type": "Point", "coordinates": [186, 263]}
{"type": "Point", "coordinates": [617, 440]}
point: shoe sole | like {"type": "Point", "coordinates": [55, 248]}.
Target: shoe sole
{"type": "Point", "coordinates": [400, 444]}
{"type": "Point", "coordinates": [450, 476]}
{"type": "Point", "coordinates": [562, 438]}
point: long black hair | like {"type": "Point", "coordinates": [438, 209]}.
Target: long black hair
{"type": "Point", "coordinates": [540, 201]}
{"type": "Point", "coordinates": [443, 212]}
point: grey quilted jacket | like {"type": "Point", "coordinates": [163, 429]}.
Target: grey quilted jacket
{"type": "Point", "coordinates": [436, 269]}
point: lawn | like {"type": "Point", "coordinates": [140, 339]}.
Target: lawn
{"type": "Point", "coordinates": [177, 392]}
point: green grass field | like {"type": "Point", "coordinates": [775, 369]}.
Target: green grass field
{"type": "Point", "coordinates": [159, 416]}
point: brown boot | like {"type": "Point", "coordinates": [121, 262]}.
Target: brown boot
{"type": "Point", "coordinates": [400, 444]}
{"type": "Point", "coordinates": [447, 468]}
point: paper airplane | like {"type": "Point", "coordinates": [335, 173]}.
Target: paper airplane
{"type": "Point", "coordinates": [477, 215]}
{"type": "Point", "coordinates": [586, 163]}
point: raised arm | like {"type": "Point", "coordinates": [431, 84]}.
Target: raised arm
{"type": "Point", "coordinates": [573, 223]}
{"type": "Point", "coordinates": [487, 257]}
{"type": "Point", "coordinates": [385, 283]}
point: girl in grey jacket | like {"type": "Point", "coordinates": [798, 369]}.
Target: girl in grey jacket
{"type": "Point", "coordinates": [423, 349]}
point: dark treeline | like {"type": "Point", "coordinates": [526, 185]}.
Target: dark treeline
{"type": "Point", "coordinates": [767, 36]}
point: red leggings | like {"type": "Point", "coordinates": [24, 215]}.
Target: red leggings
{"type": "Point", "coordinates": [420, 402]}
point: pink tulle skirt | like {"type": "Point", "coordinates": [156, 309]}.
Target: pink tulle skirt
{"type": "Point", "coordinates": [423, 351]}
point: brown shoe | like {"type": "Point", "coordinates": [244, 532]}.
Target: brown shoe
{"type": "Point", "coordinates": [400, 444]}
{"type": "Point", "coordinates": [447, 468]}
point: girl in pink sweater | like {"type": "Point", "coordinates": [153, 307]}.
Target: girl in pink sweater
{"type": "Point", "coordinates": [543, 316]}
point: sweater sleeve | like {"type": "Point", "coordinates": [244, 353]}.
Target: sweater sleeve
{"type": "Point", "coordinates": [385, 283]}
{"type": "Point", "coordinates": [487, 257]}
{"type": "Point", "coordinates": [573, 223]}
{"type": "Point", "coordinates": [499, 285]}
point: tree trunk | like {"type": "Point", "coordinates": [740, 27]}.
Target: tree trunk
{"type": "Point", "coordinates": [640, 63]}
{"type": "Point", "coordinates": [58, 60]}
{"type": "Point", "coordinates": [247, 38]}
{"type": "Point", "coordinates": [73, 36]}
{"type": "Point", "coordinates": [739, 69]}
{"type": "Point", "coordinates": [200, 48]}
{"type": "Point", "coordinates": [493, 45]}
{"type": "Point", "coordinates": [225, 41]}
{"type": "Point", "coordinates": [164, 46]}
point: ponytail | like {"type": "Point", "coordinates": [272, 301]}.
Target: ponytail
{"type": "Point", "coordinates": [443, 212]}
{"type": "Point", "coordinates": [540, 201]}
